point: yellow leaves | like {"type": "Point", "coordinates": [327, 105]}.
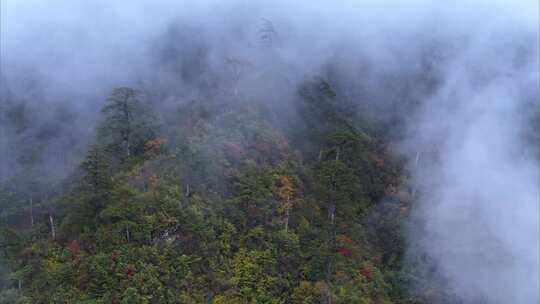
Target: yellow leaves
{"type": "Point", "coordinates": [309, 292]}
{"type": "Point", "coordinates": [286, 192]}
{"type": "Point", "coordinates": [286, 189]}
{"type": "Point", "coordinates": [51, 265]}
{"type": "Point", "coordinates": [153, 181]}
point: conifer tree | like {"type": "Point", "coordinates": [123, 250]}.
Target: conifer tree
{"type": "Point", "coordinates": [128, 124]}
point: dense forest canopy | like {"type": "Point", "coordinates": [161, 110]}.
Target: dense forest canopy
{"type": "Point", "coordinates": [237, 152]}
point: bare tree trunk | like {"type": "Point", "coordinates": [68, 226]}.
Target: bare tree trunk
{"type": "Point", "coordinates": [128, 126]}
{"type": "Point", "coordinates": [127, 234]}
{"type": "Point", "coordinates": [20, 284]}
{"type": "Point", "coordinates": [31, 213]}
{"type": "Point", "coordinates": [332, 238]}
{"type": "Point", "coordinates": [127, 148]}
{"type": "Point", "coordinates": [187, 190]}
{"type": "Point", "coordinates": [331, 245]}
{"type": "Point", "coordinates": [287, 213]}
{"type": "Point", "coordinates": [53, 230]}
{"type": "Point", "coordinates": [332, 214]}
{"type": "Point", "coordinates": [416, 161]}
{"type": "Point", "coordinates": [328, 295]}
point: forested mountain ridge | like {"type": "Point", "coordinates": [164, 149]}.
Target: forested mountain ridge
{"type": "Point", "coordinates": [269, 152]}
{"type": "Point", "coordinates": [226, 206]}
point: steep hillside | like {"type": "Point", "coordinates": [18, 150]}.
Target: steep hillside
{"type": "Point", "coordinates": [225, 206]}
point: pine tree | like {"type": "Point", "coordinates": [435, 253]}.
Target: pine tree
{"type": "Point", "coordinates": [96, 181]}
{"type": "Point", "coordinates": [128, 124]}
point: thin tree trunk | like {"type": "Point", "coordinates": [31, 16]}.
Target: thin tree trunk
{"type": "Point", "coordinates": [127, 148]}
{"type": "Point", "coordinates": [128, 126]}
{"type": "Point", "coordinates": [287, 213]}
{"type": "Point", "coordinates": [332, 237]}
{"type": "Point", "coordinates": [417, 159]}
{"type": "Point", "coordinates": [328, 295]}
{"type": "Point", "coordinates": [332, 214]}
{"type": "Point", "coordinates": [331, 245]}
{"type": "Point", "coordinates": [51, 222]}
{"type": "Point", "coordinates": [31, 213]}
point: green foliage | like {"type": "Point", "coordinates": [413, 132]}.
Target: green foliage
{"type": "Point", "coordinates": [128, 123]}
{"type": "Point", "coordinates": [225, 207]}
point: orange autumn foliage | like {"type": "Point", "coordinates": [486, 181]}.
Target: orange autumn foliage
{"type": "Point", "coordinates": [286, 189]}
{"type": "Point", "coordinates": [74, 248]}
{"type": "Point", "coordinates": [153, 147]}
{"type": "Point", "coordinates": [367, 272]}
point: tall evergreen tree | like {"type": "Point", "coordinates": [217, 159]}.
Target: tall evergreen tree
{"type": "Point", "coordinates": [128, 123]}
